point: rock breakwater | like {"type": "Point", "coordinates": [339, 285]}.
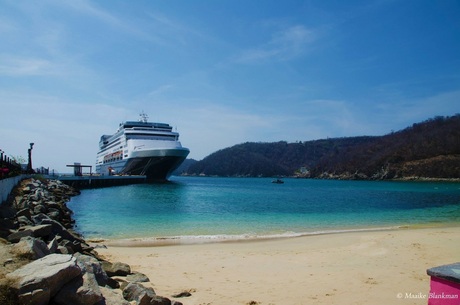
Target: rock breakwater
{"type": "Point", "coordinates": [46, 262]}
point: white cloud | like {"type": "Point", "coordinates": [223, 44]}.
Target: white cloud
{"type": "Point", "coordinates": [166, 30]}
{"type": "Point", "coordinates": [89, 9]}
{"type": "Point", "coordinates": [293, 40]}
{"type": "Point", "coordinates": [284, 45]}
{"type": "Point", "coordinates": [160, 90]}
{"type": "Point", "coordinates": [151, 26]}
{"type": "Point", "coordinates": [11, 65]}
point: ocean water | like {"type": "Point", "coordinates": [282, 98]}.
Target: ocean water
{"type": "Point", "coordinates": [203, 208]}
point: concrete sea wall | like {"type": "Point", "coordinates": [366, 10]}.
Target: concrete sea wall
{"type": "Point", "coordinates": [7, 185]}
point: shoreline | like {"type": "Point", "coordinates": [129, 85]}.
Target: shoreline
{"type": "Point", "coordinates": [400, 179]}
{"type": "Point", "coordinates": [365, 267]}
{"type": "Point", "coordinates": [243, 238]}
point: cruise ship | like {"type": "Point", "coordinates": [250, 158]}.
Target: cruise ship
{"type": "Point", "coordinates": [141, 148]}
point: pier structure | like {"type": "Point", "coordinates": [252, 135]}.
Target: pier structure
{"type": "Point", "coordinates": [80, 180]}
{"type": "Point", "coordinates": [77, 169]}
{"type": "Point", "coordinates": [92, 181]}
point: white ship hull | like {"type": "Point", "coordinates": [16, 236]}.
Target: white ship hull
{"type": "Point", "coordinates": [141, 148]}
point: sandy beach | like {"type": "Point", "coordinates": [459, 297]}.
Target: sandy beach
{"type": "Point", "coordinates": [378, 267]}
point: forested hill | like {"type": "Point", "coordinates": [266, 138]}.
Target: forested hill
{"type": "Point", "coordinates": [428, 149]}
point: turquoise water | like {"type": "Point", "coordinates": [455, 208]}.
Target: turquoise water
{"type": "Point", "coordinates": [234, 208]}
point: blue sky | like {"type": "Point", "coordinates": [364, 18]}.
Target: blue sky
{"type": "Point", "coordinates": [223, 72]}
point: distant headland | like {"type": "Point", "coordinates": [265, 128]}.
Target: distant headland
{"type": "Point", "coordinates": [429, 150]}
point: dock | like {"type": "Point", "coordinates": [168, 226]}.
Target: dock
{"type": "Point", "coordinates": [94, 181]}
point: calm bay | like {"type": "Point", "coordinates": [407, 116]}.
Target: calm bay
{"type": "Point", "coordinates": [199, 209]}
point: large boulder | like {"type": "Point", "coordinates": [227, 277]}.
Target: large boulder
{"type": "Point", "coordinates": [24, 221]}
{"type": "Point", "coordinates": [158, 300]}
{"type": "Point", "coordinates": [89, 264]}
{"type": "Point", "coordinates": [37, 282]}
{"type": "Point", "coordinates": [34, 231]}
{"type": "Point", "coordinates": [117, 268]}
{"type": "Point", "coordinates": [71, 246]}
{"type": "Point", "coordinates": [112, 297]}
{"type": "Point", "coordinates": [137, 277]}
{"type": "Point", "coordinates": [37, 195]}
{"type": "Point", "coordinates": [38, 209]}
{"type": "Point", "coordinates": [138, 293]}
{"type": "Point", "coordinates": [82, 290]}
{"type": "Point", "coordinates": [16, 236]}
{"type": "Point", "coordinates": [39, 218]}
{"type": "Point", "coordinates": [143, 295]}
{"type": "Point", "coordinates": [23, 212]}
{"type": "Point", "coordinates": [31, 248]}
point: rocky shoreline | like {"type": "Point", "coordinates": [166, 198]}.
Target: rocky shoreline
{"type": "Point", "coordinates": [46, 262]}
{"type": "Point", "coordinates": [378, 177]}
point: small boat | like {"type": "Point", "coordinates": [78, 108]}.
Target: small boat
{"type": "Point", "coordinates": [278, 181]}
